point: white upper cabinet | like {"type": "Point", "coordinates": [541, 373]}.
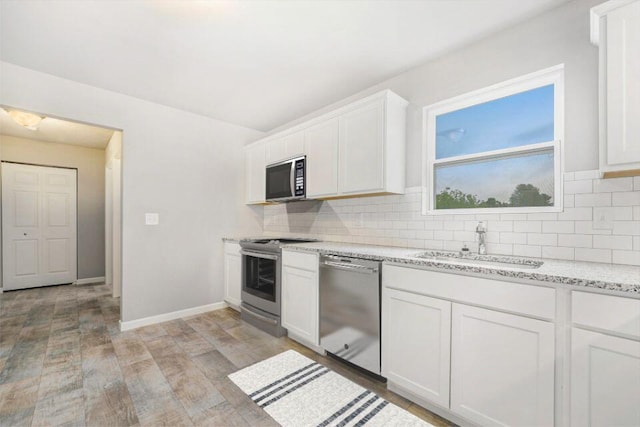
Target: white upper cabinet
{"type": "Point", "coordinates": [322, 159]}
{"type": "Point", "coordinates": [614, 27]}
{"type": "Point", "coordinates": [285, 147]}
{"type": "Point", "coordinates": [355, 150]}
{"type": "Point", "coordinates": [362, 149]}
{"type": "Point", "coordinates": [254, 172]}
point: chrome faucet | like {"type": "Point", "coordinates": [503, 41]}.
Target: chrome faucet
{"type": "Point", "coordinates": [481, 230]}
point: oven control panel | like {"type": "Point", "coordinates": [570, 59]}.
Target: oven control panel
{"type": "Point", "coordinates": [299, 176]}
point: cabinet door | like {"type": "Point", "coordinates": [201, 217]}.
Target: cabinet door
{"type": "Point", "coordinates": [362, 149]}
{"type": "Point", "coordinates": [254, 169]}
{"type": "Point", "coordinates": [300, 303]}
{"type": "Point", "coordinates": [232, 274]}
{"type": "Point", "coordinates": [416, 344]}
{"type": "Point", "coordinates": [284, 148]}
{"type": "Point", "coordinates": [605, 380]}
{"type": "Point", "coordinates": [322, 159]}
{"type": "Point", "coordinates": [623, 84]}
{"type": "Point", "coordinates": [502, 368]}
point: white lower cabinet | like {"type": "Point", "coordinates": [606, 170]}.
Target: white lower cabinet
{"type": "Point", "coordinates": [605, 380]}
{"type": "Point", "coordinates": [300, 298]}
{"type": "Point", "coordinates": [605, 361]}
{"type": "Point", "coordinates": [232, 274]}
{"type": "Point", "coordinates": [416, 351]}
{"type": "Point", "coordinates": [502, 368]}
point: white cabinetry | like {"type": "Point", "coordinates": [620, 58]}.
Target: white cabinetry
{"type": "Point", "coordinates": [502, 354]}
{"type": "Point", "coordinates": [502, 368]}
{"type": "Point", "coordinates": [232, 274]}
{"type": "Point", "coordinates": [285, 147]}
{"type": "Point", "coordinates": [322, 159]}
{"type": "Point", "coordinates": [614, 27]}
{"type": "Point", "coordinates": [355, 150]}
{"type": "Point", "coordinates": [300, 298]}
{"type": "Point", "coordinates": [416, 335]}
{"type": "Point", "coordinates": [254, 172]}
{"type": "Point", "coordinates": [605, 361]}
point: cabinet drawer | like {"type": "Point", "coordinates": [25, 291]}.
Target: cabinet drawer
{"type": "Point", "coordinates": [606, 312]}
{"type": "Point", "coordinates": [536, 301]}
{"type": "Point", "coordinates": [305, 261]}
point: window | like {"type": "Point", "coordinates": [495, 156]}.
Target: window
{"type": "Point", "coordinates": [497, 149]}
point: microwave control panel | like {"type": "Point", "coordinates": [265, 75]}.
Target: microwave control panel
{"type": "Point", "coordinates": [299, 178]}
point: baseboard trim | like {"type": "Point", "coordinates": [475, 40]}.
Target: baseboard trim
{"type": "Point", "coordinates": [89, 280]}
{"type": "Point", "coordinates": [146, 321]}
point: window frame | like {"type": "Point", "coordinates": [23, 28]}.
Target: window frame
{"type": "Point", "coordinates": [553, 75]}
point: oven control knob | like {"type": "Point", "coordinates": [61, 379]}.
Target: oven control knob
{"type": "Point", "coordinates": [346, 346]}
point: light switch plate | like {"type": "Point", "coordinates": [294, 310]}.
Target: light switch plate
{"type": "Point", "coordinates": [603, 218]}
{"type": "Point", "coordinates": [151, 219]}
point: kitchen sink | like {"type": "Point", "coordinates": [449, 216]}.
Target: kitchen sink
{"type": "Point", "coordinates": [481, 260]}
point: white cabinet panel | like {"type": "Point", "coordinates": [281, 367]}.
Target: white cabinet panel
{"type": "Point", "coordinates": [605, 380]}
{"type": "Point", "coordinates": [322, 159]}
{"type": "Point", "coordinates": [284, 148]}
{"type": "Point", "coordinates": [362, 149]}
{"type": "Point", "coordinates": [607, 313]}
{"type": "Point", "coordinates": [254, 169]}
{"type": "Point", "coordinates": [300, 301]}
{"type": "Point", "coordinates": [623, 85]}
{"type": "Point", "coordinates": [614, 27]}
{"type": "Point", "coordinates": [416, 332]}
{"type": "Point", "coordinates": [232, 274]}
{"type": "Point", "coordinates": [502, 368]}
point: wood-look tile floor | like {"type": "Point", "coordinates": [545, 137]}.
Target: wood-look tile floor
{"type": "Point", "coordinates": [64, 361]}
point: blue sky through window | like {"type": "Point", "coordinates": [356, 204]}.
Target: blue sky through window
{"type": "Point", "coordinates": [516, 120]}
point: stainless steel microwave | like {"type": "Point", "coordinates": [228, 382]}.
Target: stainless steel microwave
{"type": "Point", "coordinates": [286, 181]}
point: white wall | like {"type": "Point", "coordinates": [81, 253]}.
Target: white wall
{"type": "Point", "coordinates": [90, 165]}
{"type": "Point", "coordinates": [558, 36]}
{"type": "Point", "coordinates": [186, 167]}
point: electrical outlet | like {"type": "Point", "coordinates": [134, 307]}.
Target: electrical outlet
{"type": "Point", "coordinates": [151, 219]}
{"type": "Point", "coordinates": [602, 218]}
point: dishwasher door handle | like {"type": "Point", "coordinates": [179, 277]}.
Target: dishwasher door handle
{"type": "Point", "coordinates": [350, 267]}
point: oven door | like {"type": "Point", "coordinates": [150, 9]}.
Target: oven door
{"type": "Point", "coordinates": [261, 280]}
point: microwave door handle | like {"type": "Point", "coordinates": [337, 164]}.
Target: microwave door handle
{"type": "Point", "coordinates": [292, 179]}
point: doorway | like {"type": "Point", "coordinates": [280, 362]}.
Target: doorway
{"type": "Point", "coordinates": [63, 145]}
{"type": "Point", "coordinates": [39, 217]}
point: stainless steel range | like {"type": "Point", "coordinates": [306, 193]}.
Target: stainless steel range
{"type": "Point", "coordinates": [261, 282]}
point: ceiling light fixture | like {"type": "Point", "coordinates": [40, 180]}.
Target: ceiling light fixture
{"type": "Point", "coordinates": [28, 120]}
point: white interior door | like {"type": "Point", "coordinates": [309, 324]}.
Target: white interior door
{"type": "Point", "coordinates": [38, 226]}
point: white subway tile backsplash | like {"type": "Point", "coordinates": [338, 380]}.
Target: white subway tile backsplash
{"type": "Point", "coordinates": [581, 214]}
{"type": "Point", "coordinates": [558, 252]}
{"type": "Point", "coordinates": [626, 228]}
{"type": "Point", "coordinates": [558, 226]}
{"type": "Point", "coordinates": [613, 242]}
{"type": "Point", "coordinates": [578, 187]}
{"type": "Point", "coordinates": [630, 198]}
{"type": "Point", "coordinates": [593, 199]}
{"type": "Point", "coordinates": [593, 255]}
{"type": "Point", "coordinates": [576, 240]}
{"type": "Point", "coordinates": [612, 185]}
{"type": "Point", "coordinates": [527, 226]}
{"type": "Point", "coordinates": [542, 239]}
{"type": "Point", "coordinates": [600, 222]}
{"type": "Point", "coordinates": [626, 257]}
{"type": "Point", "coordinates": [527, 251]}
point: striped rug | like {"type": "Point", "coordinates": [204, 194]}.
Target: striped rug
{"type": "Point", "coordinates": [296, 391]}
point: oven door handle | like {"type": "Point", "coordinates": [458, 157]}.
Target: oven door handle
{"type": "Point", "coordinates": [259, 316]}
{"type": "Point", "coordinates": [258, 255]}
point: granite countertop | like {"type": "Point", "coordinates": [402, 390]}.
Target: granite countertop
{"type": "Point", "coordinates": [611, 277]}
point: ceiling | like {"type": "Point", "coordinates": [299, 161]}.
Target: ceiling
{"type": "Point", "coordinates": [60, 131]}
{"type": "Point", "coordinates": [258, 64]}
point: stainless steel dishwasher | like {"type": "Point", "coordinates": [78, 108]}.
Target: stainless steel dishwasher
{"type": "Point", "coordinates": [350, 310]}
